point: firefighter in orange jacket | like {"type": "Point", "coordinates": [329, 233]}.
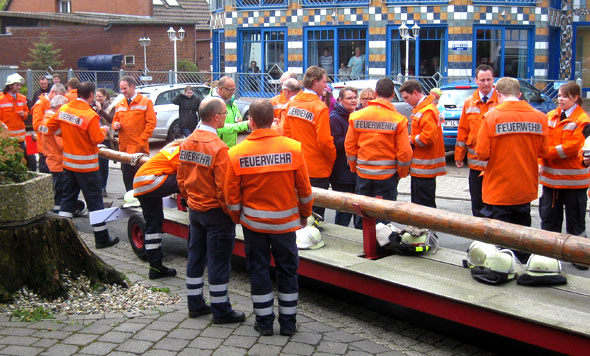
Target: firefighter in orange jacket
{"type": "Point", "coordinates": [81, 133]}
{"type": "Point", "coordinates": [73, 85]}
{"type": "Point", "coordinates": [291, 88]}
{"type": "Point", "coordinates": [428, 159]}
{"type": "Point", "coordinates": [155, 180]}
{"type": "Point", "coordinates": [267, 190]}
{"type": "Point", "coordinates": [201, 174]}
{"type": "Point", "coordinates": [135, 119]}
{"type": "Point", "coordinates": [564, 177]}
{"type": "Point", "coordinates": [474, 108]}
{"type": "Point", "coordinates": [283, 97]}
{"type": "Point", "coordinates": [511, 138]}
{"type": "Point", "coordinates": [14, 109]}
{"type": "Point", "coordinates": [53, 149]}
{"type": "Point", "coordinates": [38, 112]}
{"type": "Point", "coordinates": [307, 120]}
{"type": "Point", "coordinates": [377, 145]}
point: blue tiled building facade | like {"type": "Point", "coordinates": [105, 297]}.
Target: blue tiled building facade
{"type": "Point", "coordinates": [542, 39]}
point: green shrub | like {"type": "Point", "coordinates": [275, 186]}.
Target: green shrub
{"type": "Point", "coordinates": [13, 166]}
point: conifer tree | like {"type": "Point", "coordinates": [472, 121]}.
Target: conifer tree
{"type": "Point", "coordinates": [44, 54]}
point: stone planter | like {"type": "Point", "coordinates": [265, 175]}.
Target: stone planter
{"type": "Point", "coordinates": [24, 202]}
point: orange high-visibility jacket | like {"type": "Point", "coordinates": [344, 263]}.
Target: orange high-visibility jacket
{"type": "Point", "coordinates": [428, 160]}
{"type": "Point", "coordinates": [81, 133]}
{"type": "Point", "coordinates": [561, 167]}
{"type": "Point", "coordinates": [138, 121]}
{"type": "Point", "coordinates": [267, 187]}
{"type": "Point", "coordinates": [376, 144]}
{"type": "Point", "coordinates": [201, 172]}
{"type": "Point", "coordinates": [152, 174]}
{"type": "Point", "coordinates": [307, 120]}
{"type": "Point", "coordinates": [9, 109]}
{"type": "Point", "coordinates": [277, 103]}
{"type": "Point", "coordinates": [471, 118]}
{"type": "Point", "coordinates": [38, 112]}
{"type": "Point", "coordinates": [52, 145]}
{"type": "Point", "coordinates": [72, 95]}
{"type": "Point", "coordinates": [512, 137]}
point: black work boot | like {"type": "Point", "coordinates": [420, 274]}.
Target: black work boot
{"type": "Point", "coordinates": [160, 271]}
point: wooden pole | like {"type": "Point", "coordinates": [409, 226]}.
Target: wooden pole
{"type": "Point", "coordinates": [560, 246]}
{"type": "Point", "coordinates": [564, 247]}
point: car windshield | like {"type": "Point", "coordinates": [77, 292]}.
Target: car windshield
{"type": "Point", "coordinates": [454, 97]}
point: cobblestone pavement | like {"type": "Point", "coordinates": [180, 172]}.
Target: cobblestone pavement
{"type": "Point", "coordinates": [326, 326]}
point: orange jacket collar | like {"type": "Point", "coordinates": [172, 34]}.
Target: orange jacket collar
{"type": "Point", "coordinates": [383, 102]}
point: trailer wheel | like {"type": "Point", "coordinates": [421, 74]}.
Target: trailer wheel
{"type": "Point", "coordinates": [136, 235]}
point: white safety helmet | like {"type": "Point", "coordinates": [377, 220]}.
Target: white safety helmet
{"type": "Point", "coordinates": [309, 238]}
{"type": "Point", "coordinates": [477, 253]}
{"type": "Point", "coordinates": [383, 232]}
{"type": "Point", "coordinates": [498, 267]}
{"type": "Point", "coordinates": [130, 201]}
{"type": "Point", "coordinates": [14, 78]}
{"type": "Point", "coordinates": [541, 270]}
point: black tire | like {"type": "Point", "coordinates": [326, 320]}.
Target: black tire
{"type": "Point", "coordinates": [174, 132]}
{"type": "Point", "coordinates": [136, 235]}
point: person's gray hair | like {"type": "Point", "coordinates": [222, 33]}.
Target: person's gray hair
{"type": "Point", "coordinates": [58, 89]}
{"type": "Point", "coordinates": [58, 101]}
{"type": "Point", "coordinates": [292, 85]}
{"type": "Point", "coordinates": [209, 107]}
{"type": "Point", "coordinates": [288, 75]}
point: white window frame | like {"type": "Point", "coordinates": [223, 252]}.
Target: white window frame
{"type": "Point", "coordinates": [129, 59]}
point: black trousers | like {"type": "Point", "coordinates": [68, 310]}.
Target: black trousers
{"type": "Point", "coordinates": [515, 214]}
{"type": "Point", "coordinates": [475, 184]}
{"type": "Point", "coordinates": [58, 184]}
{"type": "Point", "coordinates": [153, 213]}
{"type": "Point", "coordinates": [341, 218]}
{"type": "Point", "coordinates": [551, 206]}
{"type": "Point", "coordinates": [283, 247]}
{"type": "Point", "coordinates": [89, 183]}
{"type": "Point", "coordinates": [323, 183]}
{"type": "Point", "coordinates": [423, 191]}
{"type": "Point", "coordinates": [128, 175]}
{"type": "Point", "coordinates": [385, 188]}
{"type": "Point", "coordinates": [43, 164]}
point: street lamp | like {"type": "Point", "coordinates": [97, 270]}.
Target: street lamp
{"type": "Point", "coordinates": [404, 33]}
{"type": "Point", "coordinates": [144, 42]}
{"type": "Point", "coordinates": [173, 37]}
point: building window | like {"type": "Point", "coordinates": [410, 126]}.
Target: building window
{"type": "Point", "coordinates": [216, 5]}
{"type": "Point", "coordinates": [218, 53]}
{"type": "Point", "coordinates": [129, 60]}
{"type": "Point", "coordinates": [427, 52]}
{"type": "Point", "coordinates": [507, 49]}
{"type": "Point", "coordinates": [582, 49]}
{"type": "Point", "coordinates": [65, 6]}
{"type": "Point", "coordinates": [316, 3]}
{"type": "Point", "coordinates": [335, 50]}
{"type": "Point", "coordinates": [242, 4]}
{"type": "Point", "coordinates": [261, 56]}
{"type": "Point", "coordinates": [507, 2]}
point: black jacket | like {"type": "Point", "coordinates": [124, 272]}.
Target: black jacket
{"type": "Point", "coordinates": [188, 109]}
{"type": "Point", "coordinates": [339, 125]}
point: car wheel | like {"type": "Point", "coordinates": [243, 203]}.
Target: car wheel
{"type": "Point", "coordinates": [175, 132]}
{"type": "Point", "coordinates": [136, 235]}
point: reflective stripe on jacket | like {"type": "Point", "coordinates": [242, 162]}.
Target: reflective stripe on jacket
{"type": "Point", "coordinates": [471, 118]}
{"type": "Point", "coordinates": [376, 144]}
{"type": "Point", "coordinates": [201, 172]}
{"type": "Point", "coordinates": [562, 167]}
{"type": "Point", "coordinates": [152, 174]}
{"type": "Point", "coordinates": [81, 133]}
{"type": "Point", "coordinates": [512, 138]}
{"type": "Point", "coordinates": [9, 109]}
{"type": "Point", "coordinates": [428, 160]}
{"type": "Point", "coordinates": [307, 120]}
{"type": "Point", "coordinates": [278, 102]}
{"type": "Point", "coordinates": [267, 187]}
{"type": "Point", "coordinates": [138, 121]}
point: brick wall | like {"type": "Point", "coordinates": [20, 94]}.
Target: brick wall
{"type": "Point", "coordinates": [121, 7]}
{"type": "Point", "coordinates": [77, 40]}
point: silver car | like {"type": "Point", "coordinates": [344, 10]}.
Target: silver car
{"type": "Point", "coordinates": [168, 124]}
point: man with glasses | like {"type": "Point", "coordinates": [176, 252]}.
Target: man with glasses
{"type": "Point", "coordinates": [201, 174]}
{"type": "Point", "coordinates": [233, 122]}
